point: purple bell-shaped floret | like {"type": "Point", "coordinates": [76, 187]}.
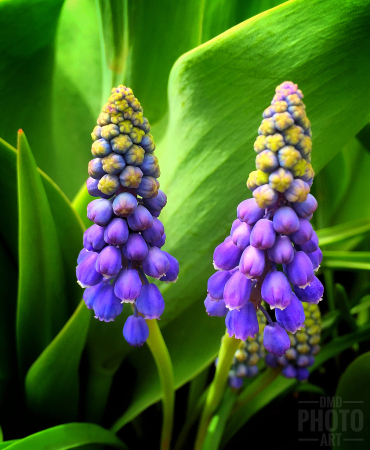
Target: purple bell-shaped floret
{"type": "Point", "coordinates": [263, 234]}
{"type": "Point", "coordinates": [249, 212]}
{"type": "Point", "coordinates": [237, 291]}
{"type": "Point", "coordinates": [306, 208]}
{"type": "Point", "coordinates": [226, 255]}
{"type": "Point", "coordinates": [275, 339]}
{"type": "Point", "coordinates": [241, 235]}
{"type": "Point", "coordinates": [124, 204]}
{"type": "Point", "coordinates": [136, 331]}
{"type": "Point", "coordinates": [155, 264]}
{"type": "Point", "coordinates": [300, 271]}
{"type": "Point", "coordinates": [128, 285]}
{"type": "Point", "coordinates": [140, 219]}
{"type": "Point", "coordinates": [292, 317]}
{"type": "Point", "coordinates": [135, 249]}
{"type": "Point", "coordinates": [109, 261]}
{"type": "Point", "coordinates": [244, 323]}
{"type": "Point", "coordinates": [100, 211]}
{"type": "Point", "coordinates": [154, 232]}
{"type": "Point", "coordinates": [215, 308]}
{"type": "Point", "coordinates": [106, 305]}
{"type": "Point", "coordinates": [285, 220]}
{"type": "Point", "coordinates": [91, 293]}
{"type": "Point", "coordinates": [173, 272]}
{"type": "Point", "coordinates": [86, 274]}
{"type": "Point", "coordinates": [315, 258]}
{"type": "Point", "coordinates": [252, 262]}
{"type": "Point", "coordinates": [94, 238]}
{"type": "Point", "coordinates": [310, 294]}
{"type": "Point", "coordinates": [216, 284]}
{"type": "Point", "coordinates": [282, 251]}
{"type": "Point", "coordinates": [311, 245]}
{"type": "Point", "coordinates": [304, 232]}
{"type": "Point", "coordinates": [116, 232]}
{"type": "Point", "coordinates": [150, 302]}
{"type": "Point", "coordinates": [276, 290]}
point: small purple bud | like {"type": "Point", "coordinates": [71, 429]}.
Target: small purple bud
{"type": "Point", "coordinates": [148, 143]}
{"type": "Point", "coordinates": [109, 261]}
{"type": "Point", "coordinates": [302, 374]}
{"type": "Point", "coordinates": [91, 293]}
{"type": "Point", "coordinates": [154, 232]}
{"type": "Point", "coordinates": [155, 264]}
{"type": "Point", "coordinates": [135, 331]}
{"type": "Point", "coordinates": [310, 294]}
{"type": "Point", "coordinates": [100, 211]}
{"type": "Point", "coordinates": [241, 235]}
{"type": "Point", "coordinates": [316, 258]}
{"type": "Point", "coordinates": [82, 255]}
{"type": "Point", "coordinates": [235, 225]}
{"type": "Point", "coordinates": [92, 187]}
{"type": "Point", "coordinates": [95, 169]}
{"type": "Point", "coordinates": [271, 360]}
{"type": "Point", "coordinates": [243, 323]}
{"type": "Point", "coordinates": [113, 163]}
{"type": "Point", "coordinates": [135, 249]}
{"type": "Point", "coordinates": [289, 371]}
{"type": "Point", "coordinates": [156, 203]}
{"type": "Point", "coordinates": [124, 204]}
{"type": "Point", "coordinates": [285, 220]}
{"type": "Point", "coordinates": [134, 155]}
{"type": "Point", "coordinates": [128, 285]}
{"type": "Point", "coordinates": [237, 291]}
{"type": "Point", "coordinates": [148, 187]}
{"type": "Point", "coordinates": [215, 308]}
{"type": "Point", "coordinates": [140, 219]}
{"type": "Point", "coordinates": [252, 262]}
{"type": "Point", "coordinates": [160, 242]}
{"type": "Point", "coordinates": [149, 165]}
{"type": "Point", "coordinates": [106, 305]}
{"type": "Point", "coordinates": [86, 274]}
{"type": "Point", "coordinates": [282, 251]}
{"type": "Point", "coordinates": [116, 232]}
{"type": "Point", "coordinates": [101, 148]}
{"type": "Point", "coordinates": [276, 339]}
{"type": "Point", "coordinates": [249, 212]}
{"type": "Point", "coordinates": [216, 284]}
{"type": "Point", "coordinates": [276, 290]}
{"type": "Point", "coordinates": [131, 176]}
{"type": "Point", "coordinates": [235, 382]}
{"type": "Point", "coordinates": [292, 317]}
{"type": "Point", "coordinates": [303, 234]}
{"type": "Point", "coordinates": [94, 238]}
{"type": "Point", "coordinates": [226, 256]}
{"type": "Point", "coordinates": [150, 302]}
{"type": "Point", "coordinates": [300, 270]}
{"type": "Point", "coordinates": [311, 245]}
{"type": "Point", "coordinates": [263, 234]}
{"type": "Point", "coordinates": [306, 208]}
{"type": "Point", "coordinates": [173, 272]}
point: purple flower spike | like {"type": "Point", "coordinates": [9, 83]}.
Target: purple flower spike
{"type": "Point", "coordinates": [106, 305]}
{"type": "Point", "coordinates": [215, 308]}
{"type": "Point", "coordinates": [100, 211]}
{"type": "Point", "coordinates": [276, 339]}
{"type": "Point", "coordinates": [216, 284]}
{"type": "Point", "coordinates": [173, 272]}
{"type": "Point", "coordinates": [135, 249]}
{"type": "Point", "coordinates": [303, 234]}
{"type": "Point", "coordinates": [311, 245]}
{"type": "Point", "coordinates": [94, 238]}
{"type": "Point", "coordinates": [150, 302]}
{"type": "Point", "coordinates": [300, 270]}
{"type": "Point", "coordinates": [276, 290]}
{"type": "Point", "coordinates": [310, 294]}
{"type": "Point", "coordinates": [226, 256]}
{"type": "Point", "coordinates": [249, 212]}
{"type": "Point", "coordinates": [282, 251]}
{"type": "Point", "coordinates": [161, 241]}
{"type": "Point", "coordinates": [86, 274]}
{"type": "Point", "coordinates": [116, 232]}
{"type": "Point", "coordinates": [91, 293]}
{"type": "Point", "coordinates": [140, 219]}
{"type": "Point", "coordinates": [243, 323]}
{"type": "Point", "coordinates": [154, 232]}
{"type": "Point", "coordinates": [124, 204]}
{"type": "Point", "coordinates": [252, 262]}
{"type": "Point", "coordinates": [263, 234]}
{"type": "Point", "coordinates": [285, 220]}
{"type": "Point", "coordinates": [109, 261]}
{"type": "Point", "coordinates": [306, 208]}
{"type": "Point", "coordinates": [155, 264]}
{"type": "Point", "coordinates": [82, 255]}
{"type": "Point", "coordinates": [316, 258]}
{"type": "Point", "coordinates": [237, 291]}
{"type": "Point", "coordinates": [156, 203]}
{"type": "Point", "coordinates": [241, 235]}
{"type": "Point", "coordinates": [292, 317]}
{"type": "Point", "coordinates": [128, 285]}
{"type": "Point", "coordinates": [136, 331]}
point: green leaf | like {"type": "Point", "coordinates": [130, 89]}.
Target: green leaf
{"type": "Point", "coordinates": [41, 289]}
{"type": "Point", "coordinates": [67, 436]}
{"type": "Point", "coordinates": [343, 231]}
{"type": "Point", "coordinates": [356, 399]}
{"type": "Point", "coordinates": [342, 301]}
{"type": "Point", "coordinates": [55, 373]}
{"type": "Point", "coordinates": [6, 444]}
{"type": "Point", "coordinates": [346, 260]}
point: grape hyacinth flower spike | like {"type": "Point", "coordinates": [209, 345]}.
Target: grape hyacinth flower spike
{"type": "Point", "coordinates": [272, 230]}
{"type": "Point", "coordinates": [124, 243]}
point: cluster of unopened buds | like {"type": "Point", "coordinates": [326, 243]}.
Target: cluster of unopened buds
{"type": "Point", "coordinates": [124, 244]}
{"type": "Point", "coordinates": [272, 251]}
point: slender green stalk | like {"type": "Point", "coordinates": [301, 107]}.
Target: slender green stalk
{"type": "Point", "coordinates": [164, 365]}
{"type": "Point", "coordinates": [228, 348]}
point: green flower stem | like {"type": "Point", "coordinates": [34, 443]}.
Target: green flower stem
{"type": "Point", "coordinates": [228, 348]}
{"type": "Point", "coordinates": [164, 365]}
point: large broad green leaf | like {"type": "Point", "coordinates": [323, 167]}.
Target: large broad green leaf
{"type": "Point", "coordinates": [55, 373]}
{"type": "Point", "coordinates": [27, 32]}
{"type": "Point", "coordinates": [42, 303]}
{"type": "Point", "coordinates": [355, 400]}
{"type": "Point", "coordinates": [70, 435]}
